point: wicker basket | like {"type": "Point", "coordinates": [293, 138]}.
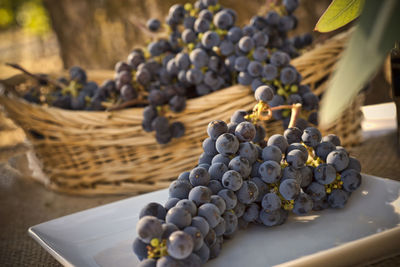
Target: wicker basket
{"type": "Point", "coordinates": [108, 152]}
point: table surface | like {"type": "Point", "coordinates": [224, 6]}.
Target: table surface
{"type": "Point", "coordinates": [25, 203]}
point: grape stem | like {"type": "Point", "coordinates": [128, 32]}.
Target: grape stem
{"type": "Point", "coordinates": [40, 79]}
{"type": "Point", "coordinates": [296, 108]}
{"type": "Point", "coordinates": [137, 101]}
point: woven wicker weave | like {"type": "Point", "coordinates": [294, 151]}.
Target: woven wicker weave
{"type": "Point", "coordinates": [108, 152]}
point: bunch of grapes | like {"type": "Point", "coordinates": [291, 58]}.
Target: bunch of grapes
{"type": "Point", "coordinates": [241, 179]}
{"type": "Point", "coordinates": [75, 93]}
{"type": "Point", "coordinates": [205, 52]}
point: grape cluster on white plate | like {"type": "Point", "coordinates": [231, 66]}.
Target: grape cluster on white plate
{"type": "Point", "coordinates": [240, 180]}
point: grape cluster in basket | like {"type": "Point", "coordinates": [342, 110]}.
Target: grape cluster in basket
{"type": "Point", "coordinates": [201, 50]}
{"type": "Point", "coordinates": [206, 52]}
{"type": "Point", "coordinates": [241, 179]}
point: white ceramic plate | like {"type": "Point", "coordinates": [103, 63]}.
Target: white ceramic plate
{"type": "Point", "coordinates": [103, 236]}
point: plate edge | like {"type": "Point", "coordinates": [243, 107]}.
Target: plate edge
{"type": "Point", "coordinates": [48, 248]}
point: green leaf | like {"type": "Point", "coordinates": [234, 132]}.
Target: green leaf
{"type": "Point", "coordinates": [338, 14]}
{"type": "Point", "coordinates": [374, 36]}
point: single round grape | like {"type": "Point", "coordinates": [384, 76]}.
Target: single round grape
{"type": "Point", "coordinates": [303, 204]}
{"type": "Point", "coordinates": [288, 75]}
{"type": "Point", "coordinates": [270, 72]}
{"type": "Point", "coordinates": [196, 235]}
{"type": "Point", "coordinates": [179, 189]}
{"type": "Point", "coordinates": [226, 47]}
{"type": "Point", "coordinates": [337, 198]}
{"type": "Point", "coordinates": [219, 202]}
{"type": "Point", "coordinates": [323, 149]}
{"type": "Point", "coordinates": [245, 131]}
{"type": "Point", "coordinates": [271, 202]}
{"type": "Point", "coordinates": [332, 138]}
{"type": "Point", "coordinates": [148, 227]}
{"type": "Point", "coordinates": [223, 20]}
{"type": "Point", "coordinates": [210, 39]}
{"type": "Point", "coordinates": [289, 189]}
{"type": "Point", "coordinates": [177, 129]}
{"type": "Point", "coordinates": [296, 158]}
{"type": "Point", "coordinates": [238, 116]}
{"type": "Point", "coordinates": [354, 164]}
{"type": "Point", "coordinates": [171, 202]}
{"type": "Point", "coordinates": [210, 238]}
{"type": "Point", "coordinates": [272, 152]}
{"type": "Point", "coordinates": [260, 39]}
{"type": "Point", "coordinates": [232, 180]}
{"type": "Point", "coordinates": [200, 195]}
{"type": "Point", "coordinates": [241, 165]}
{"type": "Point", "coordinates": [280, 59]}
{"type": "Point", "coordinates": [264, 93]}
{"type": "Point", "coordinates": [201, 25]}
{"type": "Point", "coordinates": [199, 58]}
{"type": "Point", "coordinates": [153, 209]}
{"type": "Point", "coordinates": [271, 218]}
{"type": "Point", "coordinates": [251, 212]}
{"type": "Point", "coordinates": [215, 186]}
{"type": "Point", "coordinates": [234, 34]}
{"type": "Point", "coordinates": [140, 249]}
{"type": "Point", "coordinates": [220, 228]}
{"type": "Point", "coordinates": [320, 204]}
{"type": "Point", "coordinates": [227, 144]}
{"type": "Point", "coordinates": [246, 44]}
{"type": "Point", "coordinates": [231, 222]}
{"type": "Point", "coordinates": [188, 36]}
{"type": "Point", "coordinates": [293, 135]}
{"type": "Point", "coordinates": [217, 170]}
{"type": "Point", "coordinates": [248, 193]}
{"type": "Point", "coordinates": [77, 74]}
{"type": "Point", "coordinates": [249, 30]}
{"type": "Point", "coordinates": [262, 187]}
{"type": "Point", "coordinates": [180, 245]}
{"type": "Point", "coordinates": [168, 229]}
{"type": "Point", "coordinates": [339, 159]}
{"type": "Point", "coordinates": [219, 158]}
{"type": "Point", "coordinates": [216, 128]}
{"type": "Point", "coordinates": [194, 76]}
{"type": "Point", "coordinates": [316, 191]}
{"type": "Point", "coordinates": [244, 78]}
{"type": "Point", "coordinates": [241, 63]}
{"type": "Point", "coordinates": [199, 176]}
{"type": "Point", "coordinates": [325, 173]}
{"type": "Point", "coordinates": [279, 141]}
{"type": "Point", "coordinates": [255, 68]}
{"type": "Point", "coordinates": [238, 210]}
{"type": "Point", "coordinates": [310, 101]}
{"type": "Point", "coordinates": [210, 212]}
{"type": "Point", "coordinates": [203, 89]}
{"type": "Point", "coordinates": [297, 146]}
{"type": "Point", "coordinates": [260, 134]}
{"type": "Point", "coordinates": [351, 180]}
{"type": "Point", "coordinates": [260, 54]}
{"type": "Point", "coordinates": [201, 224]}
{"type": "Point", "coordinates": [179, 216]}
{"type": "Point", "coordinates": [189, 205]}
{"type": "Point", "coordinates": [311, 136]}
{"type": "Point", "coordinates": [270, 171]}
{"type": "Point", "coordinates": [203, 253]}
{"type": "Point", "coordinates": [248, 151]}
{"type": "Point", "coordinates": [306, 173]}
{"type": "Point", "coordinates": [229, 197]}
